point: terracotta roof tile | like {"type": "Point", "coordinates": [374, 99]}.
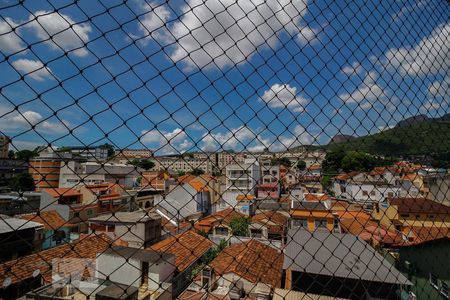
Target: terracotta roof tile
{"type": "Point", "coordinates": [419, 205]}
{"type": "Point", "coordinates": [251, 260]}
{"type": "Point", "coordinates": [62, 192]}
{"type": "Point", "coordinates": [187, 248]}
{"type": "Point", "coordinates": [22, 268]}
{"type": "Point", "coordinates": [50, 219]}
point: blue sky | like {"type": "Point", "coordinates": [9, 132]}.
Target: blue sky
{"type": "Point", "coordinates": [180, 76]}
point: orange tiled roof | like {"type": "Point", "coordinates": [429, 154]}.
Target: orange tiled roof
{"type": "Point", "coordinates": [244, 197]}
{"type": "Point", "coordinates": [23, 268]}
{"type": "Point", "coordinates": [410, 177]}
{"type": "Point", "coordinates": [62, 192]}
{"type": "Point", "coordinates": [274, 221]}
{"type": "Point", "coordinates": [50, 219]}
{"type": "Point", "coordinates": [251, 260]}
{"type": "Point", "coordinates": [419, 205]}
{"type": "Point", "coordinates": [316, 197]}
{"type": "Point", "coordinates": [370, 230]}
{"type": "Point", "coordinates": [221, 217]}
{"type": "Point", "coordinates": [314, 167]}
{"type": "Point", "coordinates": [422, 234]}
{"type": "Point", "coordinates": [187, 248]}
{"type": "Point", "coordinates": [199, 186]}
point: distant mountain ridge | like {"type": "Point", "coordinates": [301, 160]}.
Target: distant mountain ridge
{"type": "Point", "coordinates": [417, 135]}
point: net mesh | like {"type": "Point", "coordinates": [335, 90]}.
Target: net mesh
{"type": "Point", "coordinates": [224, 149]}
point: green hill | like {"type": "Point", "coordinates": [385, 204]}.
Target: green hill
{"type": "Point", "coordinates": [429, 137]}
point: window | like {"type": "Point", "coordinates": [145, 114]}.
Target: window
{"type": "Point", "coordinates": [444, 289]}
{"type": "Point", "coordinates": [221, 231]}
{"type": "Point", "coordinates": [404, 215]}
{"type": "Point", "coordinates": [434, 281]}
{"type": "Point", "coordinates": [372, 193]}
{"type": "Point", "coordinates": [390, 194]}
{"type": "Point", "coordinates": [256, 233]}
{"type": "Point", "coordinates": [321, 224]}
{"type": "Point", "coordinates": [76, 214]}
{"type": "Point", "coordinates": [336, 226]}
{"type": "Point", "coordinates": [365, 193]}
{"type": "Point", "coordinates": [300, 223]}
{"type": "Point", "coordinates": [417, 217]}
{"type": "Point", "coordinates": [90, 212]}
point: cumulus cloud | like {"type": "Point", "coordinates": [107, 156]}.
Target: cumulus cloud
{"type": "Point", "coordinates": [28, 119]}
{"type": "Point", "coordinates": [152, 22]}
{"type": "Point", "coordinates": [353, 69]}
{"type": "Point", "coordinates": [368, 91]}
{"type": "Point", "coordinates": [440, 88]}
{"type": "Point", "coordinates": [10, 42]}
{"type": "Point", "coordinates": [430, 56]}
{"type": "Point", "coordinates": [227, 32]}
{"type": "Point", "coordinates": [284, 96]}
{"type": "Point", "coordinates": [234, 138]}
{"type": "Point", "coordinates": [32, 68]}
{"type": "Point", "coordinates": [63, 31]}
{"type": "Point", "coordinates": [168, 142]}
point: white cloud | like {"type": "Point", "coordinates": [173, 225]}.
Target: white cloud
{"type": "Point", "coordinates": [440, 88]}
{"type": "Point", "coordinates": [33, 68]}
{"type": "Point", "coordinates": [353, 69]}
{"type": "Point", "coordinates": [27, 119]}
{"type": "Point", "coordinates": [368, 91]}
{"type": "Point", "coordinates": [153, 21]}
{"type": "Point", "coordinates": [227, 32]}
{"type": "Point", "coordinates": [232, 139]}
{"type": "Point", "coordinates": [9, 42]}
{"type": "Point", "coordinates": [284, 96]}
{"type": "Point", "coordinates": [430, 56]}
{"type": "Point", "coordinates": [58, 27]}
{"type": "Point", "coordinates": [168, 142]}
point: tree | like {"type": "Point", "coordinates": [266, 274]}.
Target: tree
{"type": "Point", "coordinates": [281, 161]}
{"type": "Point", "coordinates": [21, 182]}
{"type": "Point", "coordinates": [11, 154]}
{"type": "Point", "coordinates": [196, 172]}
{"type": "Point", "coordinates": [143, 163]}
{"type": "Point", "coordinates": [239, 226]}
{"type": "Point", "coordinates": [109, 147]}
{"type": "Point", "coordinates": [358, 161]}
{"type": "Point", "coordinates": [301, 165]}
{"type": "Point", "coordinates": [26, 155]}
{"type": "Point", "coordinates": [333, 160]}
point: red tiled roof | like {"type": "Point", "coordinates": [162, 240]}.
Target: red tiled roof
{"type": "Point", "coordinates": [199, 186]}
{"type": "Point", "coordinates": [223, 217]}
{"type": "Point", "coordinates": [187, 247]}
{"type": "Point", "coordinates": [23, 268]}
{"type": "Point", "coordinates": [419, 205]}
{"type": "Point", "coordinates": [423, 234]}
{"type": "Point", "coordinates": [369, 230]}
{"type": "Point", "coordinates": [316, 197]}
{"type": "Point", "coordinates": [251, 260]}
{"type": "Point", "coordinates": [62, 192]}
{"type": "Point", "coordinates": [274, 221]}
{"type": "Point", "coordinates": [50, 219]}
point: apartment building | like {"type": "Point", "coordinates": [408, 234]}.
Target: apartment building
{"type": "Point", "coordinates": [182, 164]}
{"type": "Point", "coordinates": [241, 179]}
{"type": "Point", "coordinates": [4, 146]}
{"type": "Point", "coordinates": [133, 153]}
{"type": "Point", "coordinates": [45, 169]}
{"type": "Point", "coordinates": [89, 153]}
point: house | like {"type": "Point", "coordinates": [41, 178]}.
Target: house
{"type": "Point", "coordinates": [210, 181]}
{"type": "Point", "coordinates": [403, 213]}
{"type": "Point", "coordinates": [239, 269]}
{"type": "Point", "coordinates": [70, 205]}
{"type": "Point", "coordinates": [270, 225]}
{"type": "Point", "coordinates": [313, 170]}
{"type": "Point", "coordinates": [269, 190]}
{"type": "Point", "coordinates": [217, 225]}
{"type": "Point", "coordinates": [364, 188]}
{"type": "Point", "coordinates": [284, 294]}
{"type": "Point", "coordinates": [108, 196]}
{"type": "Point", "coordinates": [188, 248]}
{"type": "Point", "coordinates": [13, 203]}
{"type": "Point", "coordinates": [314, 216]}
{"type": "Point", "coordinates": [246, 204]}
{"type": "Point", "coordinates": [269, 173]}
{"type": "Point", "coordinates": [339, 265]}
{"type": "Point", "coordinates": [186, 201]}
{"type": "Point", "coordinates": [138, 229]}
{"type": "Point", "coordinates": [311, 184]}
{"type": "Point", "coordinates": [19, 237]}
{"type": "Point", "coordinates": [426, 265]}
{"type": "Point", "coordinates": [56, 230]}
{"type": "Point", "coordinates": [26, 273]}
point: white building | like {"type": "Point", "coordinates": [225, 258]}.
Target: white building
{"type": "Point", "coordinates": [241, 179]}
{"type": "Point", "coordinates": [182, 164]}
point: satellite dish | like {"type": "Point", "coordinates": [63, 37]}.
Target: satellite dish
{"type": "Point", "coordinates": [36, 272]}
{"type": "Point", "coordinates": [7, 282]}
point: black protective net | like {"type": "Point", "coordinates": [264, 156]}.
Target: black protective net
{"type": "Point", "coordinates": [220, 149]}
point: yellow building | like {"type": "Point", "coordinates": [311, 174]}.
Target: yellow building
{"type": "Point", "coordinates": [314, 216]}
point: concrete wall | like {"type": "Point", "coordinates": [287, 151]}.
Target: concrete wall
{"type": "Point", "coordinates": [118, 269]}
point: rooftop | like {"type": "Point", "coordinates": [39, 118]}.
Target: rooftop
{"type": "Point", "coordinates": [9, 224]}
{"type": "Point", "coordinates": [338, 255]}
{"type": "Point", "coordinates": [147, 255]}
{"type": "Point", "coordinates": [62, 192]}
{"type": "Point", "coordinates": [27, 267]}
{"type": "Point", "coordinates": [51, 219]}
{"type": "Point", "coordinates": [253, 261]}
{"type": "Point", "coordinates": [187, 247]}
{"type": "Point", "coordinates": [419, 205]}
{"type": "Point", "coordinates": [282, 294]}
{"type": "Point", "coordinates": [127, 217]}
